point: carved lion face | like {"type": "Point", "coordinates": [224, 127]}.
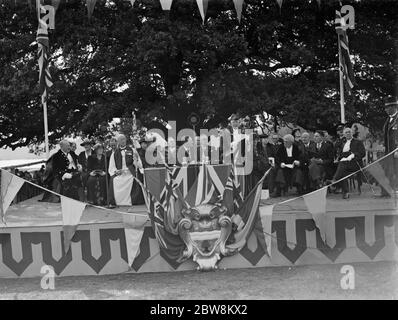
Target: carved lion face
{"type": "Point", "coordinates": [205, 229]}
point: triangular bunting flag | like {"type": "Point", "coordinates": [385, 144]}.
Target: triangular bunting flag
{"type": "Point", "coordinates": [279, 3]}
{"type": "Point", "coordinates": [72, 211]}
{"type": "Point", "coordinates": [10, 185]}
{"type": "Point", "coordinates": [266, 222]}
{"type": "Point", "coordinates": [166, 4]}
{"type": "Point", "coordinates": [133, 230]}
{"type": "Point", "coordinates": [202, 4]}
{"type": "Point", "coordinates": [316, 204]}
{"type": "Point", "coordinates": [238, 7]}
{"type": "Point", "coordinates": [319, 3]}
{"type": "Point", "coordinates": [378, 173]}
{"type": "Point", "coordinates": [90, 7]}
{"type": "Point", "coordinates": [132, 2]}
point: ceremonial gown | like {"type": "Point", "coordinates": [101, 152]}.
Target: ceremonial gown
{"type": "Point", "coordinates": [122, 159]}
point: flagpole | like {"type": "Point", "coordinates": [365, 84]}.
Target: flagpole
{"type": "Point", "coordinates": [46, 126]}
{"type": "Point", "coordinates": [342, 108]}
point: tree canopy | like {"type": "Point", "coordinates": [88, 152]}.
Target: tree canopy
{"type": "Point", "coordinates": [169, 64]}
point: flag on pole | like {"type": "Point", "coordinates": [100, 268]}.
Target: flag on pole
{"type": "Point", "coordinates": [10, 185]}
{"type": "Point", "coordinates": [45, 80]}
{"type": "Point", "coordinates": [345, 63]}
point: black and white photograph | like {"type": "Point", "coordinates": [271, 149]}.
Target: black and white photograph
{"type": "Point", "coordinates": [207, 151]}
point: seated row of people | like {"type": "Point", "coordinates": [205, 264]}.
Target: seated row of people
{"type": "Point", "coordinates": [101, 176]}
{"type": "Point", "coordinates": [309, 164]}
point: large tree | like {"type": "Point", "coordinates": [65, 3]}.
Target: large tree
{"type": "Point", "coordinates": [167, 65]}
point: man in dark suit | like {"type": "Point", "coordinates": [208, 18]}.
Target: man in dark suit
{"type": "Point", "coordinates": [350, 160]}
{"type": "Point", "coordinates": [271, 148]}
{"type": "Point", "coordinates": [321, 166]}
{"type": "Point", "coordinates": [340, 141]}
{"type": "Point", "coordinates": [287, 164]}
{"type": "Point", "coordinates": [112, 148]}
{"type": "Point", "coordinates": [109, 153]}
{"type": "Point", "coordinates": [391, 143]}
{"type": "Point", "coordinates": [308, 150]}
{"type": "Point", "coordinates": [83, 158]}
{"type": "Point", "coordinates": [66, 170]}
{"type": "Point", "coordinates": [73, 148]}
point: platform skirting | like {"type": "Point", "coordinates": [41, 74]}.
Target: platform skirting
{"type": "Point", "coordinates": [100, 248]}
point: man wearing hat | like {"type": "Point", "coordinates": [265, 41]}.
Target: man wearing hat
{"type": "Point", "coordinates": [391, 142]}
{"type": "Point", "coordinates": [83, 158]}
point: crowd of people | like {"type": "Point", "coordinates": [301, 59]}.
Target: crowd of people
{"type": "Point", "coordinates": [299, 162]}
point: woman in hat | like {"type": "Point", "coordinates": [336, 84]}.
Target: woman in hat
{"type": "Point", "coordinates": [96, 182]}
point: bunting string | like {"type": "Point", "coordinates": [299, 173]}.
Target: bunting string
{"type": "Point", "coordinates": [88, 204]}
{"type": "Point", "coordinates": [342, 179]}
{"type": "Point", "coordinates": [276, 204]}
{"type": "Point", "coordinates": [140, 183]}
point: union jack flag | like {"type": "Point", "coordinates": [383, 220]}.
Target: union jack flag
{"type": "Point", "coordinates": [45, 80]}
{"type": "Point", "coordinates": [345, 61]}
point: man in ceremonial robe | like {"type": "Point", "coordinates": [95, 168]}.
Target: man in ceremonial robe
{"type": "Point", "coordinates": [122, 169]}
{"type": "Point", "coordinates": [66, 170]}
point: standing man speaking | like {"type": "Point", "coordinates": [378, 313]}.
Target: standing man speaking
{"type": "Point", "coordinates": [391, 143]}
